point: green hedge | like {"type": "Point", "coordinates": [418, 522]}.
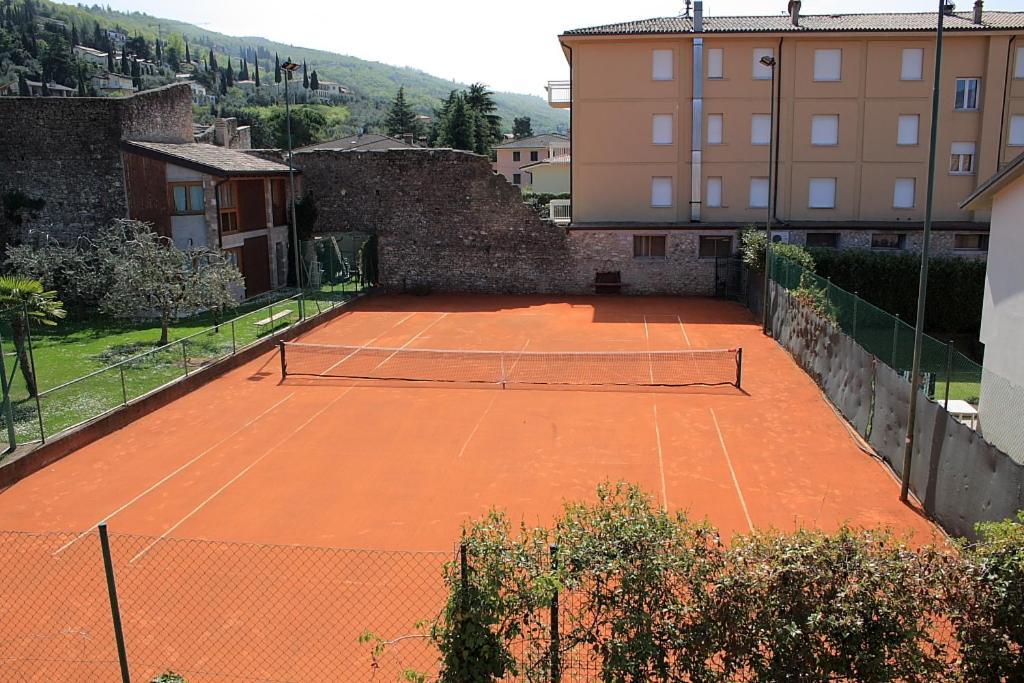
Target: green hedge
{"type": "Point", "coordinates": [956, 286]}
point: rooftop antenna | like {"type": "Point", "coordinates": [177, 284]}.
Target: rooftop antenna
{"type": "Point", "coordinates": [687, 13]}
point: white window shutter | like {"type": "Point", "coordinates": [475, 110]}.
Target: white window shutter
{"type": "Point", "coordinates": [1017, 130]}
{"type": "Point", "coordinates": [661, 191]}
{"type": "Point", "coordinates": [662, 65]}
{"type": "Point", "coordinates": [912, 68]}
{"type": "Point", "coordinates": [714, 129]}
{"type": "Point", "coordinates": [962, 148]}
{"type": "Point", "coordinates": [825, 130]}
{"type": "Point", "coordinates": [714, 193]}
{"type": "Point", "coordinates": [828, 65]}
{"type": "Point", "coordinates": [906, 133]}
{"type": "Point", "coordinates": [903, 193]}
{"type": "Point", "coordinates": [760, 129]}
{"type": "Point", "coordinates": [661, 129]}
{"type": "Point", "coordinates": [762, 72]}
{"type": "Point", "coordinates": [822, 193]}
{"type": "Point", "coordinates": [715, 61]}
{"type": "Point", "coordinates": [758, 193]}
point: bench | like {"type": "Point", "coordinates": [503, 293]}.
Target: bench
{"type": "Point", "coordinates": [608, 283]}
{"type": "Point", "coordinates": [272, 320]}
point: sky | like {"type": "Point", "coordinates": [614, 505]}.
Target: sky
{"type": "Point", "coordinates": [511, 46]}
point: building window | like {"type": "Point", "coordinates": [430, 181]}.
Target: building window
{"type": "Point", "coordinates": [517, 178]}
{"type": "Point", "coordinates": [714, 246]}
{"type": "Point", "coordinates": [912, 68]}
{"type": "Point", "coordinates": [649, 246]}
{"type": "Point", "coordinates": [887, 240]}
{"type": "Point", "coordinates": [821, 193]}
{"type": "Point", "coordinates": [517, 156]}
{"type": "Point", "coordinates": [661, 129]}
{"type": "Point", "coordinates": [714, 193]}
{"type": "Point", "coordinates": [906, 129]}
{"type": "Point", "coordinates": [715, 56]}
{"type": "Point", "coordinates": [758, 193]}
{"type": "Point", "coordinates": [228, 205]}
{"type": "Point", "coordinates": [1017, 130]}
{"type": "Point", "coordinates": [715, 129]}
{"type": "Point", "coordinates": [760, 129]}
{"type": "Point", "coordinates": [661, 65]}
{"type": "Point", "coordinates": [903, 193]}
{"type": "Point", "coordinates": [762, 72]}
{"type": "Point", "coordinates": [1018, 64]}
{"type": "Point", "coordinates": [967, 94]}
{"type": "Point", "coordinates": [825, 130]}
{"type": "Point", "coordinates": [534, 156]}
{"type": "Point", "coordinates": [971, 242]}
{"type": "Point", "coordinates": [823, 240]}
{"type": "Point", "coordinates": [187, 197]}
{"type": "Point", "coordinates": [661, 191]}
{"type": "Point", "coordinates": [961, 159]}
{"type": "Point", "coordinates": [828, 65]}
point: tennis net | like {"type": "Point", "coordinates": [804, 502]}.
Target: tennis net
{"type": "Point", "coordinates": [705, 367]}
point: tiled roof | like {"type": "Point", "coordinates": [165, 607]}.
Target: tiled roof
{"type": "Point", "coordinates": [812, 23]}
{"type": "Point", "coordinates": [209, 158]}
{"type": "Point", "coordinates": [365, 142]}
{"type": "Point", "coordinates": [538, 141]}
{"type": "Point", "coordinates": [560, 159]}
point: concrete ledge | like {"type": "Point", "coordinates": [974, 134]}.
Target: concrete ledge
{"type": "Point", "coordinates": [32, 459]}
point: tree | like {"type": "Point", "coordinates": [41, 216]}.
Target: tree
{"type": "Point", "coordinates": [314, 81]}
{"type": "Point", "coordinates": [522, 127]}
{"type": "Point", "coordinates": [23, 90]}
{"type": "Point", "coordinates": [277, 68]}
{"type": "Point", "coordinates": [81, 82]}
{"type": "Point", "coordinates": [24, 299]}
{"type": "Point", "coordinates": [125, 69]}
{"type": "Point", "coordinates": [110, 61]}
{"type": "Point", "coordinates": [159, 51]}
{"type": "Point", "coordinates": [305, 76]}
{"type": "Point", "coordinates": [243, 73]}
{"type": "Point", "coordinates": [188, 55]}
{"type": "Point", "coordinates": [229, 75]}
{"type": "Point", "coordinates": [401, 118]}
{"type": "Point", "coordinates": [136, 75]}
{"type": "Point", "coordinates": [481, 100]}
{"type": "Point", "coordinates": [45, 88]}
{"type": "Point", "coordinates": [256, 72]}
{"type": "Point", "coordinates": [149, 274]}
{"type": "Point", "coordinates": [459, 129]}
{"type": "Point", "coordinates": [74, 35]}
{"type": "Point", "coordinates": [213, 60]}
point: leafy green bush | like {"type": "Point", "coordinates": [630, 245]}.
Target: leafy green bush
{"type": "Point", "coordinates": [956, 286]}
{"type": "Point", "coordinates": [752, 245]}
{"type": "Point", "coordinates": [813, 295]}
{"type": "Point", "coordinates": [169, 677]}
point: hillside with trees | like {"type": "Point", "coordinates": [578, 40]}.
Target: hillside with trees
{"type": "Point", "coordinates": [36, 38]}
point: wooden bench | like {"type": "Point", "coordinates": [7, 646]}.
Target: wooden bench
{"type": "Point", "coordinates": [272, 320]}
{"type": "Point", "coordinates": [608, 283]}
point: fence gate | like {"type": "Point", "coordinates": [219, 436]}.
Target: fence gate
{"type": "Point", "coordinates": [729, 278]}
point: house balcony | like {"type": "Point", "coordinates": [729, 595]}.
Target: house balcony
{"type": "Point", "coordinates": [560, 211]}
{"type": "Point", "coordinates": [559, 94]}
{"type": "Point", "coordinates": [559, 153]}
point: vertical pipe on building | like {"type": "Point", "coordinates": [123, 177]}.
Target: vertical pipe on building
{"type": "Point", "coordinates": [697, 122]}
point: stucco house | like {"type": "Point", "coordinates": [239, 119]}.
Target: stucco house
{"type": "Point", "coordinates": [107, 83]}
{"type": "Point", "coordinates": [1002, 320]}
{"type": "Point", "coordinates": [512, 157]}
{"type": "Point", "coordinates": [550, 175]}
{"type": "Point", "coordinates": [210, 196]}
{"type": "Point", "coordinates": [91, 55]}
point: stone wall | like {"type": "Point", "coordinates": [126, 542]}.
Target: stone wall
{"type": "Point", "coordinates": [942, 242]}
{"type": "Point", "coordinates": [65, 152]}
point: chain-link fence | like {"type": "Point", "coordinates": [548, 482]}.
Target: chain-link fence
{"type": "Point", "coordinates": [212, 611]}
{"type": "Point", "coordinates": [56, 406]}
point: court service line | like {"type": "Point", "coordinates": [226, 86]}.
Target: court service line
{"type": "Point", "coordinates": [661, 458]}
{"type": "Point", "coordinates": [364, 345]}
{"type": "Point", "coordinates": [732, 471]}
{"type": "Point", "coordinates": [171, 475]}
{"type": "Point", "coordinates": [270, 450]}
{"type": "Point", "coordinates": [683, 328]}
{"type": "Point", "coordinates": [494, 398]}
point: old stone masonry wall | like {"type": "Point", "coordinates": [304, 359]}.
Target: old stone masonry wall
{"type": "Point", "coordinates": [60, 162]}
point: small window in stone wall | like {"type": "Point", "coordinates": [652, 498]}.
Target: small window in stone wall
{"type": "Point", "coordinates": [828, 240]}
{"type": "Point", "coordinates": [888, 240]}
{"type": "Point", "coordinates": [649, 246]}
{"type": "Point", "coordinates": [971, 242]}
{"type": "Point", "coordinates": [714, 246]}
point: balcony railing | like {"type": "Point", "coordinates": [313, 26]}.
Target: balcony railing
{"type": "Point", "coordinates": [559, 94]}
{"type": "Point", "coordinates": [560, 211]}
{"type": "Point", "coordinates": [560, 152]}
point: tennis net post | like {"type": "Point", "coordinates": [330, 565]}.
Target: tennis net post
{"type": "Point", "coordinates": [284, 361]}
{"type": "Point", "coordinates": [739, 368]}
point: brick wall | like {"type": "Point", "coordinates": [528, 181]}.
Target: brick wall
{"type": "Point", "coordinates": [65, 151]}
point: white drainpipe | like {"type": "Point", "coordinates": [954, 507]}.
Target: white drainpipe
{"type": "Point", "coordinates": [697, 126]}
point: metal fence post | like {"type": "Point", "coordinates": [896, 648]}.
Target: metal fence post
{"type": "Point", "coordinates": [124, 387]}
{"type": "Point", "coordinates": [184, 356]}
{"type": "Point", "coordinates": [32, 361]}
{"type": "Point", "coordinates": [895, 339]}
{"type": "Point", "coordinates": [949, 370]}
{"type": "Point", "coordinates": [234, 347]}
{"type": "Point", "coordinates": [115, 611]}
{"type": "Point", "coordinates": [12, 441]}
{"type": "Point", "coordinates": [556, 660]}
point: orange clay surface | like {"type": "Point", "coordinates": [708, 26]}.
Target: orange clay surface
{"type": "Point", "coordinates": [342, 464]}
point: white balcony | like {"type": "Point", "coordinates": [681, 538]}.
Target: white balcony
{"type": "Point", "coordinates": [559, 94]}
{"type": "Point", "coordinates": [560, 211]}
{"type": "Point", "coordinates": [559, 153]}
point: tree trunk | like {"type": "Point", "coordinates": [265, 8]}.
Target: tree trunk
{"type": "Point", "coordinates": [24, 359]}
{"type": "Point", "coordinates": [164, 324]}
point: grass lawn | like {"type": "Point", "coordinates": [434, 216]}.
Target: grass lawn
{"type": "Point", "coordinates": [86, 350]}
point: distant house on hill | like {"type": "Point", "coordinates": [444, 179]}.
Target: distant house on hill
{"type": "Point", "coordinates": [513, 156]}
{"type": "Point", "coordinates": [107, 83]}
{"type": "Point", "coordinates": [35, 89]}
{"type": "Point", "coordinates": [549, 176]}
{"type": "Point", "coordinates": [90, 55]}
{"type": "Point", "coordinates": [364, 142]}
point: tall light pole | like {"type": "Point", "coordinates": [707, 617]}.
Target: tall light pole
{"type": "Point", "coordinates": [289, 67]}
{"type": "Point", "coordinates": [922, 284]}
{"type": "Point", "coordinates": [770, 63]}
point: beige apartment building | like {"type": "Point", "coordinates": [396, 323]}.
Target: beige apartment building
{"type": "Point", "coordinates": [671, 127]}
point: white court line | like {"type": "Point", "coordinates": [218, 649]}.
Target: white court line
{"type": "Point", "coordinates": [363, 346]}
{"type": "Point", "coordinates": [728, 460]}
{"type": "Point", "coordinates": [480, 421]}
{"type": "Point", "coordinates": [246, 469]}
{"type": "Point", "coordinates": [650, 361]}
{"type": "Point", "coordinates": [661, 460]}
{"type": "Point", "coordinates": [683, 328]}
{"type": "Point", "coordinates": [170, 476]}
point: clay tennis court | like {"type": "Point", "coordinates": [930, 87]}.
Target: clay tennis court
{"type": "Point", "coordinates": [323, 463]}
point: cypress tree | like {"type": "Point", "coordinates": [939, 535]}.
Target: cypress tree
{"type": "Point", "coordinates": [314, 81]}
{"type": "Point", "coordinates": [125, 69]}
{"type": "Point", "coordinates": [277, 68]}
{"type": "Point", "coordinates": [46, 89]}
{"type": "Point", "coordinates": [74, 35]}
{"type": "Point", "coordinates": [188, 55]}
{"type": "Point", "coordinates": [305, 76]}
{"type": "Point", "coordinates": [136, 75]}
{"type": "Point", "coordinates": [243, 73]}
{"type": "Point", "coordinates": [229, 74]}
{"type": "Point", "coordinates": [213, 60]}
{"type": "Point", "coordinates": [23, 90]}
{"type": "Point", "coordinates": [110, 62]}
{"type": "Point", "coordinates": [256, 72]}
{"type": "Point", "coordinates": [159, 52]}
{"type": "Point", "coordinates": [81, 83]}
{"type": "Point", "coordinates": [98, 39]}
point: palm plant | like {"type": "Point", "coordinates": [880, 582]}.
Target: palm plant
{"type": "Point", "coordinates": [21, 299]}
